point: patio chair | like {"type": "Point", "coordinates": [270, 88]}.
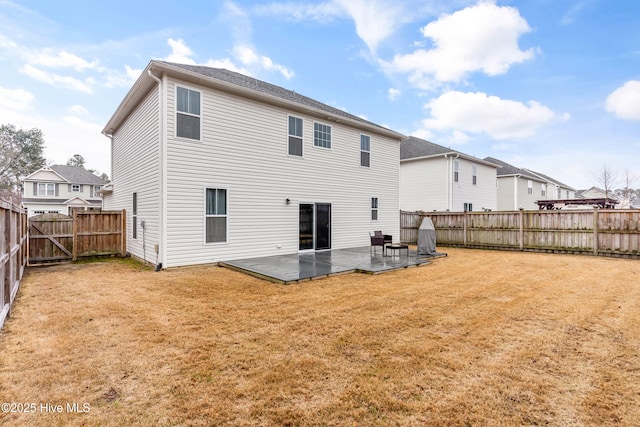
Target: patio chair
{"type": "Point", "coordinates": [379, 239]}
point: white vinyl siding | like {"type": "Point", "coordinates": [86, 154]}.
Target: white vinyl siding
{"type": "Point", "coordinates": [135, 168]}
{"type": "Point", "coordinates": [427, 185]}
{"type": "Point", "coordinates": [424, 184]}
{"type": "Point", "coordinates": [259, 220]}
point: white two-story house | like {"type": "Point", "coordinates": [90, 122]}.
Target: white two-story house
{"type": "Point", "coordinates": [520, 188]}
{"type": "Point", "coordinates": [437, 178]}
{"type": "Point", "coordinates": [212, 165]}
{"type": "Point", "coordinates": [60, 189]}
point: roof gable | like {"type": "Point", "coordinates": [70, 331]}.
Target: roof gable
{"type": "Point", "coordinates": [45, 174]}
{"type": "Point", "coordinates": [222, 79]}
{"type": "Point", "coordinates": [416, 148]}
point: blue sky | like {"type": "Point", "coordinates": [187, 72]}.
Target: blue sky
{"type": "Point", "coordinates": [550, 85]}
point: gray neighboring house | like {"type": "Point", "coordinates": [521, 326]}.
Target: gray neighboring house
{"type": "Point", "coordinates": [60, 189]}
{"type": "Point", "coordinates": [437, 178]}
{"type": "Point", "coordinates": [520, 188]}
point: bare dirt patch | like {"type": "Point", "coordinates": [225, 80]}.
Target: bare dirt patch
{"type": "Point", "coordinates": [478, 338]}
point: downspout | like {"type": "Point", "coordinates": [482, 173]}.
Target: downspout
{"type": "Point", "coordinates": [451, 182]}
{"type": "Point", "coordinates": [515, 192]}
{"type": "Point", "coordinates": [161, 181]}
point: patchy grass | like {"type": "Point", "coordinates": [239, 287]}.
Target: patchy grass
{"type": "Point", "coordinates": [478, 338]}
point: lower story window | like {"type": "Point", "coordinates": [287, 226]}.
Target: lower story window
{"type": "Point", "coordinates": [216, 215]}
{"type": "Point", "coordinates": [374, 208]}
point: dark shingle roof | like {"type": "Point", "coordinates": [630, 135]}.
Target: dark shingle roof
{"type": "Point", "coordinates": [266, 88]}
{"type": "Point", "coordinates": [416, 147]}
{"type": "Point", "coordinates": [76, 175]}
{"type": "Point", "coordinates": [505, 169]}
{"type": "Point", "coordinates": [548, 178]}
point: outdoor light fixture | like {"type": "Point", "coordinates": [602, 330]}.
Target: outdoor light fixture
{"type": "Point", "coordinates": [287, 201]}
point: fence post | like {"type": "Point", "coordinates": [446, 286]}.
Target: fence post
{"type": "Point", "coordinates": [74, 240]}
{"type": "Point", "coordinates": [595, 231]}
{"type": "Point", "coordinates": [464, 229]}
{"type": "Point", "coordinates": [521, 234]}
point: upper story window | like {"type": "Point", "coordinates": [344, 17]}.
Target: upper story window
{"type": "Point", "coordinates": [559, 193]}
{"type": "Point", "coordinates": [365, 150]}
{"type": "Point", "coordinates": [543, 189]}
{"type": "Point", "coordinates": [75, 188]}
{"type": "Point", "coordinates": [295, 136]}
{"type": "Point", "coordinates": [474, 174]}
{"type": "Point", "coordinates": [456, 170]}
{"type": "Point", "coordinates": [321, 135]}
{"type": "Point", "coordinates": [529, 187]}
{"type": "Point", "coordinates": [187, 113]}
{"type": "Point", "coordinates": [46, 189]}
{"type": "Point", "coordinates": [567, 194]}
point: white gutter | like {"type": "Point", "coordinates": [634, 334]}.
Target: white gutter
{"type": "Point", "coordinates": [162, 235]}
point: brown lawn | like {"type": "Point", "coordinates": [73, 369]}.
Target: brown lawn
{"type": "Point", "coordinates": [478, 338]}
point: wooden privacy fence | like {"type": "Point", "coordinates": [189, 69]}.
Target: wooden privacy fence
{"type": "Point", "coordinates": [58, 238]}
{"type": "Point", "coordinates": [13, 254]}
{"type": "Point", "coordinates": [596, 232]}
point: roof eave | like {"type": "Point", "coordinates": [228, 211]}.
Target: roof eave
{"type": "Point", "coordinates": [144, 83]}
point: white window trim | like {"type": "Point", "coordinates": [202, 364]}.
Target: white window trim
{"type": "Point", "coordinates": [529, 186]}
{"type": "Point", "coordinates": [314, 136]}
{"type": "Point", "coordinates": [289, 135]}
{"type": "Point", "coordinates": [376, 209]}
{"type": "Point", "coordinates": [205, 216]}
{"type": "Point", "coordinates": [365, 151]}
{"type": "Point", "coordinates": [176, 112]}
{"type": "Point", "coordinates": [46, 189]}
{"type": "Point", "coordinates": [474, 175]}
{"type": "Point", "coordinates": [456, 171]}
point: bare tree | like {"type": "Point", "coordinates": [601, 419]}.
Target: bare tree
{"type": "Point", "coordinates": [606, 178]}
{"type": "Point", "coordinates": [628, 181]}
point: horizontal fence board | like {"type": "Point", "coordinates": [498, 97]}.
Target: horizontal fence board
{"type": "Point", "coordinates": [597, 232]}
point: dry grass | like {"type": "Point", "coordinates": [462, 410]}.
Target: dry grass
{"type": "Point", "coordinates": [478, 338]}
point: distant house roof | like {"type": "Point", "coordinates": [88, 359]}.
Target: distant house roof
{"type": "Point", "coordinates": [72, 174]}
{"type": "Point", "coordinates": [549, 179]}
{"type": "Point", "coordinates": [416, 148]}
{"type": "Point", "coordinates": [505, 169]}
{"type": "Point", "coordinates": [77, 175]}
{"type": "Point", "coordinates": [237, 83]}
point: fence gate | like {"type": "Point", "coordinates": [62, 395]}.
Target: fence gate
{"type": "Point", "coordinates": [50, 238]}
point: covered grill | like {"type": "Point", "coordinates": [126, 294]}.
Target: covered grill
{"type": "Point", "coordinates": [427, 238]}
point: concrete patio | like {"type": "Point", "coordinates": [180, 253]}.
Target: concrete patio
{"type": "Point", "coordinates": [293, 268]}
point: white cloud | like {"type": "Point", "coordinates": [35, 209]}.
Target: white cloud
{"type": "Point", "coordinates": [394, 94]}
{"type": "Point", "coordinates": [322, 12]}
{"type": "Point", "coordinates": [480, 113]}
{"type": "Point", "coordinates": [624, 102]}
{"type": "Point", "coordinates": [15, 99]}
{"type": "Point", "coordinates": [249, 57]}
{"type": "Point", "coordinates": [57, 80]}
{"type": "Point", "coordinates": [376, 20]}
{"type": "Point", "coordinates": [482, 38]}
{"type": "Point", "coordinates": [180, 52]}
{"type": "Point", "coordinates": [62, 59]}
{"type": "Point", "coordinates": [78, 110]}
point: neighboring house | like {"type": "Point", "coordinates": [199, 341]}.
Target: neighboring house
{"type": "Point", "coordinates": [595, 193]}
{"type": "Point", "coordinates": [519, 188]}
{"type": "Point", "coordinates": [212, 165]}
{"type": "Point", "coordinates": [60, 189]}
{"type": "Point", "coordinates": [555, 189]}
{"type": "Point", "coordinates": [436, 178]}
